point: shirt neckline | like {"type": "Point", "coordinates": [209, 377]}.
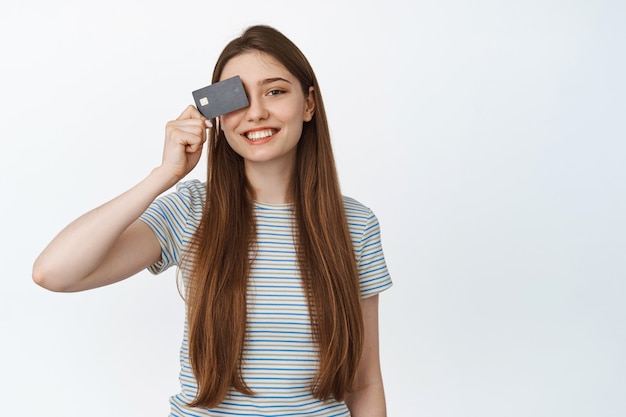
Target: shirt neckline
{"type": "Point", "coordinates": [273, 206]}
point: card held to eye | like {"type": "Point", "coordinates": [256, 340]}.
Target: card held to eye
{"type": "Point", "coordinates": [220, 98]}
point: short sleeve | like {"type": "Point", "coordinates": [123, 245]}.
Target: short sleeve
{"type": "Point", "coordinates": [174, 219]}
{"type": "Point", "coordinates": [365, 231]}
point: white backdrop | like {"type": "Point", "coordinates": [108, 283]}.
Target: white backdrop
{"type": "Point", "coordinates": [488, 137]}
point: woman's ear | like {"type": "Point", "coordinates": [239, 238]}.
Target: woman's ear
{"type": "Point", "coordinates": [309, 105]}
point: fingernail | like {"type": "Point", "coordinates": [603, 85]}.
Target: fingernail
{"type": "Point", "coordinates": [208, 123]}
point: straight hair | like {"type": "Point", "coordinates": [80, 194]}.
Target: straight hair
{"type": "Point", "coordinates": [220, 253]}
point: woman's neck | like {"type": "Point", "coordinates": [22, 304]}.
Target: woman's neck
{"type": "Point", "coordinates": [270, 182]}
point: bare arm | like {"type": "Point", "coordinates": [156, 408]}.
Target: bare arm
{"type": "Point", "coordinates": [368, 397]}
{"type": "Point", "coordinates": [109, 243]}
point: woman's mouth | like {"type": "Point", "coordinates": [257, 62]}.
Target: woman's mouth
{"type": "Point", "coordinates": [259, 134]}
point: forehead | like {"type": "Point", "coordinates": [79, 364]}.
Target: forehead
{"type": "Point", "coordinates": [255, 66]}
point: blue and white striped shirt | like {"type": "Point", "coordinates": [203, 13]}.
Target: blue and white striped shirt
{"type": "Point", "coordinates": [279, 359]}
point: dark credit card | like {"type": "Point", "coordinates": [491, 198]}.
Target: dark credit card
{"type": "Point", "coordinates": [221, 98]}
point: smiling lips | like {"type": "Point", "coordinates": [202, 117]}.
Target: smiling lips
{"type": "Point", "coordinates": [260, 134]}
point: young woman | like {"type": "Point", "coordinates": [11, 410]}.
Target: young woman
{"type": "Point", "coordinates": [280, 273]}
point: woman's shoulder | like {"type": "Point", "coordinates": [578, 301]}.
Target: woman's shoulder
{"type": "Point", "coordinates": [192, 191]}
{"type": "Point", "coordinates": [355, 207]}
{"type": "Point", "coordinates": [186, 200]}
{"type": "Point", "coordinates": [359, 216]}
{"type": "Point", "coordinates": [191, 186]}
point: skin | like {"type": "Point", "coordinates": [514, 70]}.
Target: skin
{"type": "Point", "coordinates": [368, 397]}
{"type": "Point", "coordinates": [277, 105]}
{"type": "Point", "coordinates": [109, 243]}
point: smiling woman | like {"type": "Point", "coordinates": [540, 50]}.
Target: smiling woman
{"type": "Point", "coordinates": [279, 105]}
{"type": "Point", "coordinates": [281, 272]}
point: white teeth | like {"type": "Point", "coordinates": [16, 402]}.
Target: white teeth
{"type": "Point", "coordinates": [259, 134]}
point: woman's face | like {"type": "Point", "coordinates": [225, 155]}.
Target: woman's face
{"type": "Point", "coordinates": [268, 130]}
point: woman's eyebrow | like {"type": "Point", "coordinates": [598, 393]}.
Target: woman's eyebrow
{"type": "Point", "coordinates": [273, 80]}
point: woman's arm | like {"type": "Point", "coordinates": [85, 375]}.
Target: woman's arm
{"type": "Point", "coordinates": [368, 397]}
{"type": "Point", "coordinates": [109, 243]}
{"type": "Point", "coordinates": [103, 246]}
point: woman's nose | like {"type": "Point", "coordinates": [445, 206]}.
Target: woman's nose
{"type": "Point", "coordinates": [256, 110]}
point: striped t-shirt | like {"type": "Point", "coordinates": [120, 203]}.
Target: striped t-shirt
{"type": "Point", "coordinates": [279, 360]}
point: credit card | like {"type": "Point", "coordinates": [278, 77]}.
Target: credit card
{"type": "Point", "coordinates": [220, 98]}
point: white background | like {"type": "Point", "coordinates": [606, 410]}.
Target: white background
{"type": "Point", "coordinates": [488, 137]}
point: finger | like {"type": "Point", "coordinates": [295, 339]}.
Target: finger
{"type": "Point", "coordinates": [191, 112]}
{"type": "Point", "coordinates": [187, 126]}
{"type": "Point", "coordinates": [189, 130]}
{"type": "Point", "coordinates": [194, 143]}
{"type": "Point", "coordinates": [196, 126]}
{"type": "Point", "coordinates": [189, 122]}
{"type": "Point", "coordinates": [189, 134]}
{"type": "Point", "coordinates": [194, 147]}
{"type": "Point", "coordinates": [185, 138]}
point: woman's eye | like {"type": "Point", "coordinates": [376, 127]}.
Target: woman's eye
{"type": "Point", "coordinates": [275, 92]}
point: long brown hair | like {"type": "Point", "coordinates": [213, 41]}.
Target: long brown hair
{"type": "Point", "coordinates": [220, 251]}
